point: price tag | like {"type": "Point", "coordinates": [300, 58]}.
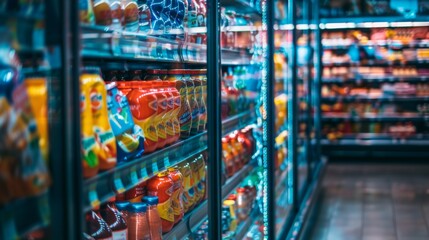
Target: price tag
{"type": "Point", "coordinates": [155, 169]}
{"type": "Point", "coordinates": [166, 162]}
{"type": "Point", "coordinates": [143, 173]}
{"type": "Point", "coordinates": [119, 186]}
{"type": "Point", "coordinates": [93, 198]}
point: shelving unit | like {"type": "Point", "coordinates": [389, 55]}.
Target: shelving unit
{"type": "Point", "coordinates": [405, 106]}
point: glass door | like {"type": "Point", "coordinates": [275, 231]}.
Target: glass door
{"type": "Point", "coordinates": [285, 126]}
{"type": "Point", "coordinates": [144, 117]}
{"type": "Point", "coordinates": [31, 121]}
{"type": "Point", "coordinates": [243, 39]}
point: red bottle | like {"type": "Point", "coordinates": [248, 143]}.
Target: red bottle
{"type": "Point", "coordinates": [162, 110]}
{"type": "Point", "coordinates": [162, 186]}
{"type": "Point", "coordinates": [115, 220]}
{"type": "Point", "coordinates": [97, 227]}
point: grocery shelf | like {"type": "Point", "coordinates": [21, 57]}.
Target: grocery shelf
{"type": "Point", "coordinates": [376, 98]}
{"type": "Point", "coordinates": [375, 142]}
{"type": "Point", "coordinates": [127, 175]}
{"type": "Point", "coordinates": [344, 44]}
{"type": "Point", "coordinates": [382, 63]}
{"type": "Point", "coordinates": [101, 43]}
{"type": "Point", "coordinates": [376, 118]}
{"type": "Point", "coordinates": [373, 22]}
{"type": "Point", "coordinates": [194, 218]}
{"type": "Point", "coordinates": [22, 216]}
{"type": "Point", "coordinates": [366, 78]}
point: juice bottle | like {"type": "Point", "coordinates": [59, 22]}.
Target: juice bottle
{"type": "Point", "coordinates": [90, 148]}
{"type": "Point", "coordinates": [162, 186]}
{"type": "Point", "coordinates": [195, 113]}
{"type": "Point", "coordinates": [86, 14]}
{"type": "Point", "coordinates": [184, 114]}
{"type": "Point", "coordinates": [97, 227]}
{"type": "Point", "coordinates": [136, 193]}
{"type": "Point", "coordinates": [131, 15]}
{"type": "Point", "coordinates": [202, 102]}
{"type": "Point", "coordinates": [162, 109]}
{"type": "Point", "coordinates": [176, 198]}
{"type": "Point", "coordinates": [122, 207]}
{"type": "Point", "coordinates": [138, 223]}
{"type": "Point", "coordinates": [228, 158]}
{"type": "Point", "coordinates": [102, 13]}
{"type": "Point", "coordinates": [176, 109]}
{"type": "Point", "coordinates": [198, 97]}
{"type": "Point", "coordinates": [129, 136]}
{"type": "Point", "coordinates": [144, 107]}
{"type": "Point", "coordinates": [155, 225]}
{"type": "Point", "coordinates": [38, 99]}
{"type": "Point", "coordinates": [196, 181]}
{"type": "Point", "coordinates": [115, 220]}
{"type": "Point", "coordinates": [144, 16]}
{"type": "Point", "coordinates": [188, 189]}
{"type": "Point", "coordinates": [117, 14]}
{"type": "Point", "coordinates": [169, 127]}
{"type": "Point", "coordinates": [100, 120]}
{"type": "Point", "coordinates": [201, 164]}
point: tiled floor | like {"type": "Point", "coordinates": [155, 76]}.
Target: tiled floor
{"type": "Point", "coordinates": [374, 202]}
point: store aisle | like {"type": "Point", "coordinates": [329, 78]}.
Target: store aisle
{"type": "Point", "coordinates": [374, 202]}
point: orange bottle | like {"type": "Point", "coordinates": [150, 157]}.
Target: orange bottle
{"type": "Point", "coordinates": [162, 186]}
{"type": "Point", "coordinates": [176, 108]}
{"type": "Point", "coordinates": [162, 109]}
{"type": "Point", "coordinates": [144, 107]}
{"type": "Point", "coordinates": [90, 148]}
{"type": "Point", "coordinates": [101, 125]}
{"type": "Point", "coordinates": [169, 127]}
{"type": "Point", "coordinates": [176, 198]}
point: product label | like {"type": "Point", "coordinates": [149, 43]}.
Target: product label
{"type": "Point", "coordinates": [166, 211]}
{"type": "Point", "coordinates": [89, 156]}
{"type": "Point", "coordinates": [120, 235]}
{"type": "Point", "coordinates": [185, 121]}
{"type": "Point", "coordinates": [161, 130]}
{"type": "Point", "coordinates": [149, 130]}
{"type": "Point", "coordinates": [188, 198]}
{"type": "Point", "coordinates": [96, 101]}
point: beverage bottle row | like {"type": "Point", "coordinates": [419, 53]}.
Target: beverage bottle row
{"type": "Point", "coordinates": [237, 150]}
{"type": "Point", "coordinates": [24, 144]}
{"type": "Point", "coordinates": [121, 120]}
{"type": "Point", "coordinates": [144, 15]}
{"type": "Point", "coordinates": [166, 198]}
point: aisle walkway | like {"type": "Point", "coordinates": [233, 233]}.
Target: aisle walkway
{"type": "Point", "coordinates": [374, 202]}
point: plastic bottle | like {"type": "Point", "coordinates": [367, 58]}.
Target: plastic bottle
{"type": "Point", "coordinates": [195, 112]}
{"type": "Point", "coordinates": [102, 13]}
{"type": "Point", "coordinates": [122, 207]}
{"type": "Point", "coordinates": [162, 186]}
{"type": "Point", "coordinates": [131, 15]}
{"type": "Point", "coordinates": [155, 225]}
{"type": "Point", "coordinates": [86, 14]}
{"type": "Point", "coordinates": [144, 16]}
{"type": "Point", "coordinates": [161, 112]}
{"type": "Point", "coordinates": [188, 189]}
{"type": "Point", "coordinates": [97, 227]}
{"type": "Point", "coordinates": [169, 125]}
{"type": "Point", "coordinates": [144, 107]}
{"type": "Point", "coordinates": [176, 197]}
{"type": "Point", "coordinates": [129, 136]}
{"type": "Point", "coordinates": [100, 120]}
{"type": "Point", "coordinates": [138, 224]}
{"type": "Point", "coordinates": [184, 113]}
{"type": "Point", "coordinates": [117, 14]}
{"type": "Point", "coordinates": [176, 108]}
{"type": "Point", "coordinates": [90, 148]}
{"type": "Point", "coordinates": [115, 220]}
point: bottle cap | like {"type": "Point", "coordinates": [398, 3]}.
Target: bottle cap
{"type": "Point", "coordinates": [150, 200]}
{"type": "Point", "coordinates": [123, 205]}
{"type": "Point", "coordinates": [137, 207]}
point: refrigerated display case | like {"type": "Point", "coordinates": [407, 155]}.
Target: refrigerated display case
{"type": "Point", "coordinates": [373, 87]}
{"type": "Point", "coordinates": [185, 108]}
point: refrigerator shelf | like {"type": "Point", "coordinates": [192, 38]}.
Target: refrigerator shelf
{"type": "Point", "coordinates": [381, 63]}
{"type": "Point", "coordinates": [375, 142]}
{"type": "Point", "coordinates": [192, 220]}
{"type": "Point", "coordinates": [372, 22]}
{"type": "Point", "coordinates": [125, 176]}
{"type": "Point", "coordinates": [376, 99]}
{"type": "Point", "coordinates": [382, 136]}
{"type": "Point", "coordinates": [21, 216]}
{"type": "Point", "coordinates": [376, 118]}
{"type": "Point", "coordinates": [100, 43]}
{"type": "Point", "coordinates": [344, 44]}
{"type": "Point", "coordinates": [369, 79]}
